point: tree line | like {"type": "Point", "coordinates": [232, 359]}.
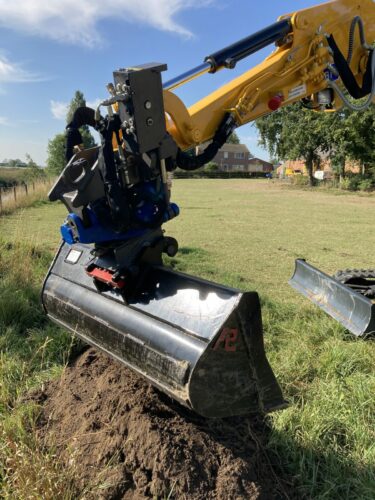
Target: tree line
{"type": "Point", "coordinates": [297, 133]}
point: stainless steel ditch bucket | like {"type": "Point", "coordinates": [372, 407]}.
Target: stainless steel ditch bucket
{"type": "Point", "coordinates": [354, 311]}
{"type": "Point", "coordinates": [199, 342]}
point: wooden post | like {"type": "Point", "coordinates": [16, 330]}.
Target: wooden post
{"type": "Point", "coordinates": [26, 189]}
{"type": "Point", "coordinates": [15, 193]}
{"type": "Point", "coordinates": [33, 186]}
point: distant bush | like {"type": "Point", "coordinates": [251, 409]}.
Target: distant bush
{"type": "Point", "coordinates": [366, 185]}
{"type": "Point", "coordinates": [300, 180]}
{"type": "Point", "coordinates": [211, 167]}
{"type": "Point", "coordinates": [357, 182]}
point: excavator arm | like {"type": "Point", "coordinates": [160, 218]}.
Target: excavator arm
{"type": "Point", "coordinates": [306, 64]}
{"type": "Point", "coordinates": [197, 341]}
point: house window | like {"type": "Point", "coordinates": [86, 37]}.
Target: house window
{"type": "Point", "coordinates": [239, 156]}
{"type": "Point", "coordinates": [226, 155]}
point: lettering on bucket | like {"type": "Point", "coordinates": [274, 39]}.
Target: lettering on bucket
{"type": "Point", "coordinates": [228, 338]}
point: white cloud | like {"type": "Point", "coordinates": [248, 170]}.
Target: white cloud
{"type": "Point", "coordinates": [59, 109]}
{"type": "Point", "coordinates": [76, 21]}
{"type": "Point", "coordinates": [95, 103]}
{"type": "Point", "coordinates": [4, 120]}
{"type": "Point", "coordinates": [11, 72]}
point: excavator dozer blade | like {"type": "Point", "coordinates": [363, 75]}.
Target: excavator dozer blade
{"type": "Point", "coordinates": [199, 342]}
{"type": "Point", "coordinates": [354, 311]}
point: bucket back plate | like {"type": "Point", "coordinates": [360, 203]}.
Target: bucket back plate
{"type": "Point", "coordinates": [197, 341]}
{"type": "Point", "coordinates": [354, 311]}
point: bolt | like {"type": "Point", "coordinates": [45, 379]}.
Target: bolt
{"type": "Point", "coordinates": [148, 105]}
{"type": "Point", "coordinates": [149, 122]}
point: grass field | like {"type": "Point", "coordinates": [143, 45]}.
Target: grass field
{"type": "Point", "coordinates": [13, 175]}
{"type": "Point", "coordinates": [20, 197]}
{"type": "Point", "coordinates": [245, 234]}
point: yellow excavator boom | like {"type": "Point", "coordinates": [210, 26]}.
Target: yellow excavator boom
{"type": "Point", "coordinates": [296, 69]}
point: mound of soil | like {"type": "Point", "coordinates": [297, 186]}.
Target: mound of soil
{"type": "Point", "coordinates": [126, 440]}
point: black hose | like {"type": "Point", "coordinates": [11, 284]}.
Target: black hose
{"type": "Point", "coordinates": [115, 195]}
{"type": "Point", "coordinates": [118, 206]}
{"type": "Point", "coordinates": [347, 75]}
{"type": "Point", "coordinates": [82, 116]}
{"type": "Point", "coordinates": [187, 162]}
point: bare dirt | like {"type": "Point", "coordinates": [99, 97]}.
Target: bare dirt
{"type": "Point", "coordinates": [126, 440]}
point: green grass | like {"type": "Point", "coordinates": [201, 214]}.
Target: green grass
{"type": "Point", "coordinates": [32, 351]}
{"type": "Point", "coordinates": [245, 234]}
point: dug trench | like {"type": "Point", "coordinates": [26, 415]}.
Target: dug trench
{"type": "Point", "coordinates": [126, 440]}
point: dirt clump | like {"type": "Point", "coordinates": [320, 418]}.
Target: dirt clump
{"type": "Point", "coordinates": [126, 440]}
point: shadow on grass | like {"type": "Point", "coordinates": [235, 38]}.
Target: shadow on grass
{"type": "Point", "coordinates": [193, 251]}
{"type": "Point", "coordinates": [319, 474]}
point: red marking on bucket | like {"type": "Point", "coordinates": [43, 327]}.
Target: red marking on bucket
{"type": "Point", "coordinates": [228, 338]}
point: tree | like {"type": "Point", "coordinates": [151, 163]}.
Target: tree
{"type": "Point", "coordinates": [15, 163]}
{"type": "Point", "coordinates": [77, 102]}
{"type": "Point", "coordinates": [211, 167]}
{"type": "Point", "coordinates": [56, 154]}
{"type": "Point", "coordinates": [233, 139]}
{"type": "Point", "coordinates": [34, 171]}
{"type": "Point", "coordinates": [339, 137]}
{"type": "Point", "coordinates": [295, 133]}
{"type": "Point", "coordinates": [351, 136]}
{"type": "Point", "coordinates": [361, 143]}
{"type": "Point", "coordinates": [30, 163]}
{"type": "Point", "coordinates": [56, 147]}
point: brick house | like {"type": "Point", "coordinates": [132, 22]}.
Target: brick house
{"type": "Point", "coordinates": [291, 167]}
{"type": "Point", "coordinates": [237, 158]}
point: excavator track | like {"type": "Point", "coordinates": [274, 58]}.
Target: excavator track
{"type": "Point", "coordinates": [360, 280]}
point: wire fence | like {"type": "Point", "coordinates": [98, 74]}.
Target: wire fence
{"type": "Point", "coordinates": [23, 194]}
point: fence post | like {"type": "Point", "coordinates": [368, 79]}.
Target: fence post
{"type": "Point", "coordinates": [15, 193]}
{"type": "Point", "coordinates": [26, 191]}
{"type": "Point", "coordinates": [33, 186]}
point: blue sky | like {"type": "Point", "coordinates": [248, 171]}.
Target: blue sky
{"type": "Point", "coordinates": [48, 49]}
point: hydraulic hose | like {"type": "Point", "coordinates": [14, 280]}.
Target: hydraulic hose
{"type": "Point", "coordinates": [357, 21]}
{"type": "Point", "coordinates": [115, 195]}
{"type": "Point", "coordinates": [82, 116]}
{"type": "Point", "coordinates": [118, 206]}
{"type": "Point", "coordinates": [344, 71]}
{"type": "Point", "coordinates": [187, 162]}
{"type": "Point", "coordinates": [371, 96]}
